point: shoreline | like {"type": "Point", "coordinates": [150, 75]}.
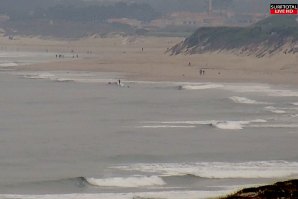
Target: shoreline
{"type": "Point", "coordinates": [125, 55]}
{"type": "Point", "coordinates": [169, 72]}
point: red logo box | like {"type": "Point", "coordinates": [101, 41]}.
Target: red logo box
{"type": "Point", "coordinates": [283, 9]}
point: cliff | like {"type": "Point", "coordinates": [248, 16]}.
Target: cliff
{"type": "Point", "coordinates": [270, 36]}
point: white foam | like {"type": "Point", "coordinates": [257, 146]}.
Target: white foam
{"type": "Point", "coordinates": [243, 88]}
{"type": "Point", "coordinates": [231, 125]}
{"type": "Point", "coordinates": [244, 100]}
{"type": "Point", "coordinates": [220, 170]}
{"type": "Point", "coordinates": [295, 103]}
{"type": "Point", "coordinates": [258, 121]}
{"type": "Point", "coordinates": [42, 75]}
{"type": "Point", "coordinates": [137, 181]}
{"type": "Point", "coordinates": [9, 64]}
{"type": "Point", "coordinates": [80, 77]}
{"type": "Point", "coordinates": [200, 86]}
{"type": "Point", "coordinates": [240, 88]}
{"type": "Point", "coordinates": [165, 126]}
{"type": "Point", "coordinates": [162, 194]}
{"type": "Point", "coordinates": [235, 87]}
{"type": "Point", "coordinates": [235, 125]}
{"type": "Point", "coordinates": [180, 122]}
{"type": "Point", "coordinates": [274, 109]}
{"type": "Point", "coordinates": [275, 126]}
{"type": "Point", "coordinates": [261, 88]}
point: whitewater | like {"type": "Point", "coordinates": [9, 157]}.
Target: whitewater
{"type": "Point", "coordinates": [67, 134]}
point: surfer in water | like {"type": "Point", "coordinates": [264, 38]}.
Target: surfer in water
{"type": "Point", "coordinates": [118, 83]}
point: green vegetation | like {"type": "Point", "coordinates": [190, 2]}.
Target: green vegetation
{"type": "Point", "coordinates": [265, 37]}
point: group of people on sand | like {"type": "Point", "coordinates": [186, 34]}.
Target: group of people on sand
{"type": "Point", "coordinates": [202, 72]}
{"type": "Point", "coordinates": [59, 56]}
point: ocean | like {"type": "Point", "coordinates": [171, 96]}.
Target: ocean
{"type": "Point", "coordinates": [67, 134]}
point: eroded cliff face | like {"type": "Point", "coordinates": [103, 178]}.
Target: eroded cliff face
{"type": "Point", "coordinates": [268, 37]}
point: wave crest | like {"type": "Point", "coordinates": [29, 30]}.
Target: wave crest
{"type": "Point", "coordinates": [220, 170]}
{"type": "Point", "coordinates": [9, 64]}
{"type": "Point", "coordinates": [244, 100]}
{"type": "Point", "coordinates": [136, 181]}
{"type": "Point", "coordinates": [200, 86]}
{"type": "Point", "coordinates": [274, 109]}
{"type": "Point", "coordinates": [231, 125]}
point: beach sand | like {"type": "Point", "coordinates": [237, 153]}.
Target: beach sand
{"type": "Point", "coordinates": [125, 55]}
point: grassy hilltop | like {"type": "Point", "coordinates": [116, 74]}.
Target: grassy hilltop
{"type": "Point", "coordinates": [269, 36]}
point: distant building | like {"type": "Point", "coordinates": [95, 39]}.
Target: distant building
{"type": "Point", "coordinates": [189, 19]}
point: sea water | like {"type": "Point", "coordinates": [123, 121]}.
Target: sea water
{"type": "Point", "coordinates": [81, 135]}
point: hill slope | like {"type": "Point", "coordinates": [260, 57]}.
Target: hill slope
{"type": "Point", "coordinates": [287, 189]}
{"type": "Point", "coordinates": [269, 36]}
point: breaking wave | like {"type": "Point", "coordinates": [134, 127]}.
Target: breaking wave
{"type": "Point", "coordinates": [231, 125]}
{"type": "Point", "coordinates": [235, 125]}
{"type": "Point", "coordinates": [80, 77]}
{"type": "Point", "coordinates": [243, 100]}
{"type": "Point", "coordinates": [136, 181]}
{"type": "Point", "coordinates": [9, 64]}
{"type": "Point", "coordinates": [219, 170]}
{"type": "Point", "coordinates": [275, 126]}
{"type": "Point", "coordinates": [274, 109]}
{"type": "Point", "coordinates": [44, 75]}
{"type": "Point", "coordinates": [244, 88]}
{"type": "Point", "coordinates": [200, 86]}
{"type": "Point", "coordinates": [165, 126]}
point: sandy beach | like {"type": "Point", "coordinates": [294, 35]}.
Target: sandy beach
{"type": "Point", "coordinates": [125, 55]}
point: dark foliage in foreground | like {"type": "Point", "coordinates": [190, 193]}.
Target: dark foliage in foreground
{"type": "Point", "coordinates": [285, 190]}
